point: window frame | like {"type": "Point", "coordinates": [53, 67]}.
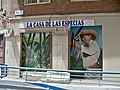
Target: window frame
{"type": "Point", "coordinates": [36, 3]}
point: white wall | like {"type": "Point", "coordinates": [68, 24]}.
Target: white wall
{"type": "Point", "coordinates": [12, 51]}
{"type": "Point", "coordinates": [12, 55]}
{"type": "Point", "coordinates": [60, 52]}
{"type": "Point", "coordinates": [111, 42]}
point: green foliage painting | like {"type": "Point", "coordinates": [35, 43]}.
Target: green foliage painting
{"type": "Point", "coordinates": [36, 50]}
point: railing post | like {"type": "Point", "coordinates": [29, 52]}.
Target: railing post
{"type": "Point", "coordinates": [26, 76]}
{"type": "Point", "coordinates": [0, 73]}
{"type": "Point", "coordinates": [99, 82]}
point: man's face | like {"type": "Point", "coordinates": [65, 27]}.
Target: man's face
{"type": "Point", "coordinates": [86, 38]}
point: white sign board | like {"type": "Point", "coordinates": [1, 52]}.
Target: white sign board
{"type": "Point", "coordinates": [19, 12]}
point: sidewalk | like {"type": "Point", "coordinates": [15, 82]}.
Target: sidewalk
{"type": "Point", "coordinates": [13, 84]}
{"type": "Point", "coordinates": [21, 84]}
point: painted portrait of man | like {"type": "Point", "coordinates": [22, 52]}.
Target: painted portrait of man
{"type": "Point", "coordinates": [86, 48]}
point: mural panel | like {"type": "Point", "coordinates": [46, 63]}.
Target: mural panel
{"type": "Point", "coordinates": [86, 48]}
{"type": "Point", "coordinates": [36, 50]}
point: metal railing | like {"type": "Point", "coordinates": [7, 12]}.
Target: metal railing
{"type": "Point", "coordinates": [3, 71]}
{"type": "Point", "coordinates": [61, 76]}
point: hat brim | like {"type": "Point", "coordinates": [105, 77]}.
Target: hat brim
{"type": "Point", "coordinates": [89, 32]}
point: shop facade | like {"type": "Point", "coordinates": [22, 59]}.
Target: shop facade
{"type": "Point", "coordinates": [50, 47]}
{"type": "Point", "coordinates": [43, 35]}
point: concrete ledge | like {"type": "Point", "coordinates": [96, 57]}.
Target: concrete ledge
{"type": "Point", "coordinates": [34, 76]}
{"type": "Point", "coordinates": [58, 77]}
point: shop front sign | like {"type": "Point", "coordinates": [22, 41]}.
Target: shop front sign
{"type": "Point", "coordinates": [57, 23]}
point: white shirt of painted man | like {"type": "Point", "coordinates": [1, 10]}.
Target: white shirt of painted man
{"type": "Point", "coordinates": [93, 50]}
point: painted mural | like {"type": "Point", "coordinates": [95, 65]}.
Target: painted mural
{"type": "Point", "coordinates": [36, 50]}
{"type": "Point", "coordinates": [86, 48]}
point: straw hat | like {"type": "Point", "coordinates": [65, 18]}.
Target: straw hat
{"type": "Point", "coordinates": [91, 32]}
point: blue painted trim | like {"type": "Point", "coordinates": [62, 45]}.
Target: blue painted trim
{"type": "Point", "coordinates": [47, 86]}
{"type": "Point", "coordinates": [58, 70]}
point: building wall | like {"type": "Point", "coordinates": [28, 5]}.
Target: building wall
{"type": "Point", "coordinates": [12, 51]}
{"type": "Point", "coordinates": [60, 59]}
{"type": "Point", "coordinates": [6, 5]}
{"type": "Point", "coordinates": [62, 7]}
{"type": "Point", "coordinates": [12, 54]}
{"type": "Point", "coordinates": [68, 10]}
{"type": "Point", "coordinates": [60, 52]}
